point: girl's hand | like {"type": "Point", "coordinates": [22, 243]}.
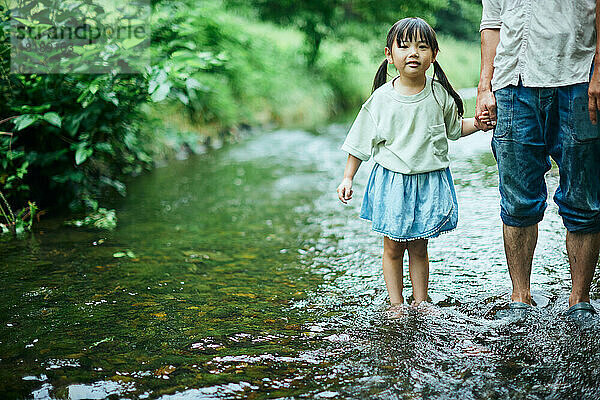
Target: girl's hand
{"type": "Point", "coordinates": [344, 191]}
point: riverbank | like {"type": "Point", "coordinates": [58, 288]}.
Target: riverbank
{"type": "Point", "coordinates": [215, 73]}
{"type": "Point", "coordinates": [296, 97]}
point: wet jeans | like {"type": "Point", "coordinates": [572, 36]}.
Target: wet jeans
{"type": "Point", "coordinates": [533, 125]}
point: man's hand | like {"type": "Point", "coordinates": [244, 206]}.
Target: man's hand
{"type": "Point", "coordinates": [594, 89]}
{"type": "Point", "coordinates": [485, 107]}
{"type": "Point", "coordinates": [594, 96]}
{"type": "Point", "coordinates": [485, 97]}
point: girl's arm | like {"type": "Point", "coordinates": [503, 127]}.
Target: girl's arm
{"type": "Point", "coordinates": [344, 190]}
{"type": "Point", "coordinates": [470, 125]}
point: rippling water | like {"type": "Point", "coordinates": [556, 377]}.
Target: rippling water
{"type": "Point", "coordinates": [247, 278]}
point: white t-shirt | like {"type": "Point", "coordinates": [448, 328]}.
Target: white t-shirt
{"type": "Point", "coordinates": [406, 134]}
{"type": "Point", "coordinates": [546, 43]}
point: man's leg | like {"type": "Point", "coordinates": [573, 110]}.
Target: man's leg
{"type": "Point", "coordinates": [519, 245]}
{"type": "Point", "coordinates": [519, 147]}
{"type": "Point", "coordinates": [577, 153]}
{"type": "Point", "coordinates": [582, 250]}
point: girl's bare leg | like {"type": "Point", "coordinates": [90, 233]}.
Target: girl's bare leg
{"type": "Point", "coordinates": [418, 266]}
{"type": "Point", "coordinates": [393, 255]}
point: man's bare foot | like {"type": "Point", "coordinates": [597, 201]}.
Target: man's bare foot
{"type": "Point", "coordinates": [426, 308]}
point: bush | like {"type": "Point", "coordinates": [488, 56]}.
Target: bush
{"type": "Point", "coordinates": [74, 137]}
{"type": "Point", "coordinates": [222, 68]}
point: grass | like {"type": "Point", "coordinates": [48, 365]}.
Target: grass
{"type": "Point", "coordinates": [460, 61]}
{"type": "Point", "coordinates": [281, 89]}
{"type": "Point", "coordinates": [469, 107]}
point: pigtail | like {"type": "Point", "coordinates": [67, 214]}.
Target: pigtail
{"type": "Point", "coordinates": [441, 77]}
{"type": "Point", "coordinates": [381, 76]}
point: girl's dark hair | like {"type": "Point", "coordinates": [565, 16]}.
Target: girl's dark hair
{"type": "Point", "coordinates": [409, 29]}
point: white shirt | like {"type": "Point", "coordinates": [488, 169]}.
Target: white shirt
{"type": "Point", "coordinates": [546, 43]}
{"type": "Point", "coordinates": [406, 134]}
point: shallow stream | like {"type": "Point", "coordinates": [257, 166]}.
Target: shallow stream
{"type": "Point", "coordinates": [247, 278]}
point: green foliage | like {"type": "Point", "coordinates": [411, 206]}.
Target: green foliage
{"type": "Point", "coordinates": [77, 133]}
{"type": "Point", "coordinates": [460, 19]}
{"type": "Point", "coordinates": [97, 44]}
{"type": "Point", "coordinates": [339, 62]}
{"type": "Point", "coordinates": [460, 61]}
{"type": "Point", "coordinates": [190, 46]}
{"type": "Point", "coordinates": [221, 72]}
{"type": "Point", "coordinates": [16, 223]}
{"type": "Point", "coordinates": [74, 135]}
{"type": "Point", "coordinates": [318, 19]}
{"type": "Point", "coordinates": [73, 132]}
{"type": "Point", "coordinates": [99, 219]}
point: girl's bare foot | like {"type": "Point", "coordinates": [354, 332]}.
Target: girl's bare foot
{"type": "Point", "coordinates": [396, 311]}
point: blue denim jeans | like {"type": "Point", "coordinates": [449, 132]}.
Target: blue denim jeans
{"type": "Point", "coordinates": [533, 125]}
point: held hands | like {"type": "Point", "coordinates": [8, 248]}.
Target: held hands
{"type": "Point", "coordinates": [344, 191]}
{"type": "Point", "coordinates": [485, 109]}
{"type": "Point", "coordinates": [486, 103]}
{"type": "Point", "coordinates": [484, 122]}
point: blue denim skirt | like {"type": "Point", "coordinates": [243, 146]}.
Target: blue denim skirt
{"type": "Point", "coordinates": [408, 207]}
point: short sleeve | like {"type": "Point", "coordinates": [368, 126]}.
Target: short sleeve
{"type": "Point", "coordinates": [362, 136]}
{"type": "Point", "coordinates": [452, 120]}
{"type": "Point", "coordinates": [490, 16]}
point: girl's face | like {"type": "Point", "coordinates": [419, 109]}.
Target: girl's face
{"type": "Point", "coordinates": [411, 58]}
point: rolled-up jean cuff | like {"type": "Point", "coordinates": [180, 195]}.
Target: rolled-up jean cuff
{"type": "Point", "coordinates": [520, 222]}
{"type": "Point", "coordinates": [590, 227]}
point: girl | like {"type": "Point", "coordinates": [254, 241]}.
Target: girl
{"type": "Point", "coordinates": [406, 124]}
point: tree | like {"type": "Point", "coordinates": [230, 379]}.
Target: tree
{"type": "Point", "coordinates": [460, 19]}
{"type": "Point", "coordinates": [318, 19]}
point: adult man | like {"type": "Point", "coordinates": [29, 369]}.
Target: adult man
{"type": "Point", "coordinates": [536, 58]}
